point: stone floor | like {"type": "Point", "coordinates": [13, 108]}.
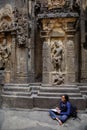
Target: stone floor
{"type": "Point", "coordinates": [37, 119]}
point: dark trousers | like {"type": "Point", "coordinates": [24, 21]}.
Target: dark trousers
{"type": "Point", "coordinates": [55, 115]}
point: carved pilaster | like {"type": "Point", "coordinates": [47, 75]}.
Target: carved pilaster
{"type": "Point", "coordinates": [46, 62]}
{"type": "Point", "coordinates": [13, 56]}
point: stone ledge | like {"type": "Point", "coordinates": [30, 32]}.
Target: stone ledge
{"type": "Point", "coordinates": [33, 96]}
{"type": "Point", "coordinates": [58, 15]}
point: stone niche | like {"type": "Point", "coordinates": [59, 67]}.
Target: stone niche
{"type": "Point", "coordinates": [58, 50]}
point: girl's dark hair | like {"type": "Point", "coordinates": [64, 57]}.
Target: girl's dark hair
{"type": "Point", "coordinates": [66, 97]}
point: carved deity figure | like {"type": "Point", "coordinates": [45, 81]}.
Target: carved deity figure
{"type": "Point", "coordinates": [5, 52]}
{"type": "Point", "coordinates": [57, 52]}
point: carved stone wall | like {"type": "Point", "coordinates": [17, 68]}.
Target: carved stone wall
{"type": "Point", "coordinates": [14, 43]}
{"type": "Point", "coordinates": [49, 55]}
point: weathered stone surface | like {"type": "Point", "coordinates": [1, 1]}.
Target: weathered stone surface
{"type": "Point", "coordinates": [45, 42]}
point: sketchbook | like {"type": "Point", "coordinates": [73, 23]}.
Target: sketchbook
{"type": "Point", "coordinates": [54, 110]}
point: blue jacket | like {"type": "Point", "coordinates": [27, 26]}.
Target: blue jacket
{"type": "Point", "coordinates": [65, 108]}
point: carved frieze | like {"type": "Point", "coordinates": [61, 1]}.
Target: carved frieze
{"type": "Point", "coordinates": [57, 8]}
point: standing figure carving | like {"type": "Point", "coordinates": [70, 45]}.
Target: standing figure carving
{"type": "Point", "coordinates": [5, 52]}
{"type": "Point", "coordinates": [57, 54]}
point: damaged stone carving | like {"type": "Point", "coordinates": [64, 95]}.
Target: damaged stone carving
{"type": "Point", "coordinates": [6, 27]}
{"type": "Point", "coordinates": [5, 52]}
{"type": "Point", "coordinates": [22, 27]}
{"type": "Point", "coordinates": [6, 18]}
{"type": "Point", "coordinates": [57, 57]}
{"type": "Point", "coordinates": [58, 78]}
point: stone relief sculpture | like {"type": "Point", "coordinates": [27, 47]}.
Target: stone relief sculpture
{"type": "Point", "coordinates": [6, 26]}
{"type": "Point", "coordinates": [5, 52]}
{"type": "Point", "coordinates": [55, 29]}
{"type": "Point", "coordinates": [57, 52]}
{"type": "Point", "coordinates": [6, 18]}
{"type": "Point", "coordinates": [21, 24]}
{"type": "Point", "coordinates": [57, 57]}
{"type": "Point", "coordinates": [55, 3]}
{"type": "Point", "coordinates": [58, 78]}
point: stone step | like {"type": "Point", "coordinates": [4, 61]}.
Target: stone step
{"type": "Point", "coordinates": [59, 94]}
{"type": "Point", "coordinates": [20, 87]}
{"type": "Point", "coordinates": [57, 86]}
{"type": "Point", "coordinates": [59, 90]}
{"type": "Point", "coordinates": [51, 102]}
{"type": "Point", "coordinates": [84, 92]}
{"type": "Point", "coordinates": [16, 93]}
{"type": "Point", "coordinates": [16, 85]}
{"type": "Point", "coordinates": [14, 101]}
{"type": "Point", "coordinates": [83, 88]}
{"type": "Point", "coordinates": [16, 88]}
{"type": "Point", "coordinates": [28, 96]}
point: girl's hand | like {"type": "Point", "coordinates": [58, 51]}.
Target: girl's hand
{"type": "Point", "coordinates": [58, 110]}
